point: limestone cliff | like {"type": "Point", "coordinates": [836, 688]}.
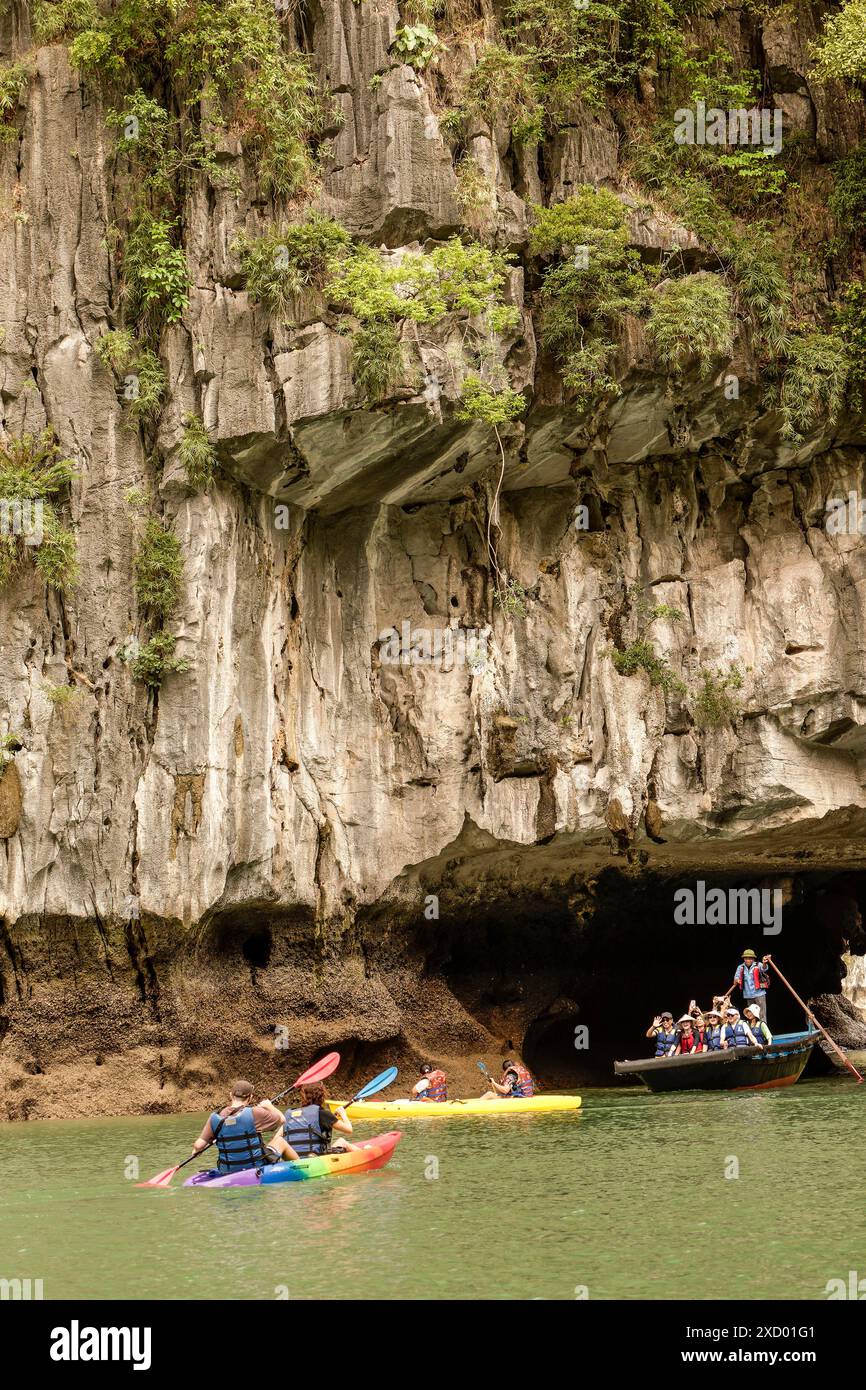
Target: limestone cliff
{"type": "Point", "coordinates": [295, 831]}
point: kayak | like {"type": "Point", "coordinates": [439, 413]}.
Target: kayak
{"type": "Point", "coordinates": [433, 1110]}
{"type": "Point", "coordinates": [373, 1153]}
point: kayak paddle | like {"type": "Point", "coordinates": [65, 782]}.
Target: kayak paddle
{"type": "Point", "coordinates": [482, 1066]}
{"type": "Point", "coordinates": [372, 1088]}
{"type": "Point", "coordinates": [317, 1072]}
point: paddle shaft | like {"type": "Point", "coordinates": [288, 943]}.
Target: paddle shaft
{"type": "Point", "coordinates": [819, 1026]}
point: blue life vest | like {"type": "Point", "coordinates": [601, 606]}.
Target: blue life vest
{"type": "Point", "coordinates": [737, 1036]}
{"type": "Point", "coordinates": [302, 1131]}
{"type": "Point", "coordinates": [713, 1039]}
{"type": "Point", "coordinates": [664, 1041]}
{"type": "Point", "coordinates": [239, 1144]}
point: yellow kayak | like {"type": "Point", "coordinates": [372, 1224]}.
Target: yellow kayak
{"type": "Point", "coordinates": [408, 1109]}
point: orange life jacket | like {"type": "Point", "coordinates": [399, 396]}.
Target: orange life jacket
{"type": "Point", "coordinates": [437, 1086]}
{"type": "Point", "coordinates": [525, 1083]}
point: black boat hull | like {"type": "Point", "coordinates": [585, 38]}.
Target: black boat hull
{"type": "Point", "coordinates": [737, 1069]}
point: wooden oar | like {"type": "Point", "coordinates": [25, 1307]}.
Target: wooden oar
{"type": "Point", "coordinates": [317, 1072]}
{"type": "Point", "coordinates": [819, 1026]}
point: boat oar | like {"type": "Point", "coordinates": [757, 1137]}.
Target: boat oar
{"type": "Point", "coordinates": [819, 1026]}
{"type": "Point", "coordinates": [317, 1072]}
{"type": "Point", "coordinates": [372, 1088]}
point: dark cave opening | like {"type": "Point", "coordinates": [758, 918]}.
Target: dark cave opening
{"type": "Point", "coordinates": [577, 983]}
{"type": "Point", "coordinates": [257, 947]}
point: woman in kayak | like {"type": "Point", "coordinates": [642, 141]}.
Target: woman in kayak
{"type": "Point", "coordinates": [433, 1085]}
{"type": "Point", "coordinates": [516, 1083]}
{"type": "Point", "coordinates": [308, 1129]}
{"type": "Point", "coordinates": [238, 1129]}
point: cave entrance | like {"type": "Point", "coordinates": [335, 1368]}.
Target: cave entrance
{"type": "Point", "coordinates": [257, 947]}
{"type": "Point", "coordinates": [576, 991]}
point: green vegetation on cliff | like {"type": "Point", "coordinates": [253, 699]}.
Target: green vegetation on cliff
{"type": "Point", "coordinates": [34, 477]}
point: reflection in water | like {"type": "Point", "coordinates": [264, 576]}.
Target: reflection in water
{"type": "Point", "coordinates": [620, 1197]}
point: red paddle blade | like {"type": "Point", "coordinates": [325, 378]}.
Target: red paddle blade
{"type": "Point", "coordinates": [319, 1071]}
{"type": "Point", "coordinates": [161, 1179]}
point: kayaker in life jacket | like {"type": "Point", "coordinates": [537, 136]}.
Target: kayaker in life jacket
{"type": "Point", "coordinates": [308, 1128]}
{"type": "Point", "coordinates": [736, 1032]}
{"type": "Point", "coordinates": [432, 1086]}
{"type": "Point", "coordinates": [754, 980]}
{"type": "Point", "coordinates": [665, 1034]}
{"type": "Point", "coordinates": [713, 1033]}
{"type": "Point", "coordinates": [238, 1130]}
{"type": "Point", "coordinates": [757, 1025]}
{"type": "Point", "coordinates": [515, 1083]}
{"type": "Point", "coordinates": [687, 1039]}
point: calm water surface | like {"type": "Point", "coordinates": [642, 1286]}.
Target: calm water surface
{"type": "Point", "coordinates": [624, 1197]}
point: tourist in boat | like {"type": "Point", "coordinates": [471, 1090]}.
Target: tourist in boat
{"type": "Point", "coordinates": [665, 1034]}
{"type": "Point", "coordinates": [687, 1039]}
{"type": "Point", "coordinates": [762, 1033]}
{"type": "Point", "coordinates": [713, 1032]}
{"type": "Point", "coordinates": [515, 1083]}
{"type": "Point", "coordinates": [308, 1129]}
{"type": "Point", "coordinates": [753, 978]}
{"type": "Point", "coordinates": [238, 1129]}
{"type": "Point", "coordinates": [736, 1032]}
{"type": "Point", "coordinates": [433, 1085]}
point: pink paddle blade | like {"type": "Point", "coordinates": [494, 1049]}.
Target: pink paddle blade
{"type": "Point", "coordinates": [319, 1071]}
{"type": "Point", "coordinates": [161, 1179]}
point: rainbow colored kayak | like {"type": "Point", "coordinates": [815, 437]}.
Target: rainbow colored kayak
{"type": "Point", "coordinates": [373, 1153]}
{"type": "Point", "coordinates": [441, 1109]}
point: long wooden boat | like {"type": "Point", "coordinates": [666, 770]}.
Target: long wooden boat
{"type": "Point", "coordinates": [737, 1069]}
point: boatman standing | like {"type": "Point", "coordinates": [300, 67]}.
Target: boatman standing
{"type": "Point", "coordinates": [754, 980]}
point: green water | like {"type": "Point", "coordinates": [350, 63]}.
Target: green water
{"type": "Point", "coordinates": [628, 1198]}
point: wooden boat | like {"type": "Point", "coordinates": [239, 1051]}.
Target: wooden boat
{"type": "Point", "coordinates": [737, 1069]}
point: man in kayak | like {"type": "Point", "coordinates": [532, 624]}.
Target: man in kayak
{"type": "Point", "coordinates": [432, 1086]}
{"type": "Point", "coordinates": [238, 1130]}
{"type": "Point", "coordinates": [752, 1015]}
{"type": "Point", "coordinates": [754, 980]}
{"type": "Point", "coordinates": [308, 1129]}
{"type": "Point", "coordinates": [515, 1083]}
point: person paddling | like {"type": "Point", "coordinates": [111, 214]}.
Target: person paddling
{"type": "Point", "coordinates": [432, 1086]}
{"type": "Point", "coordinates": [515, 1083]}
{"type": "Point", "coordinates": [238, 1129]}
{"type": "Point", "coordinates": [308, 1129]}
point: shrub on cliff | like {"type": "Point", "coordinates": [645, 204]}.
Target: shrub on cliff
{"type": "Point", "coordinates": [144, 382]}
{"type": "Point", "coordinates": [816, 374]}
{"type": "Point", "coordinates": [156, 660]}
{"type": "Point", "coordinates": [286, 260]}
{"type": "Point", "coordinates": [596, 278]}
{"type": "Point", "coordinates": [841, 49]}
{"type": "Point", "coordinates": [34, 476]}
{"type": "Point", "coordinates": [158, 569]}
{"type": "Point", "coordinates": [14, 78]}
{"type": "Point", "coordinates": [156, 279]}
{"type": "Point", "coordinates": [197, 454]}
{"type": "Point", "coordinates": [715, 703]}
{"type": "Point", "coordinates": [692, 317]}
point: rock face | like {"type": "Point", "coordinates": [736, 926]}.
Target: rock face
{"type": "Point", "coordinates": [269, 842]}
